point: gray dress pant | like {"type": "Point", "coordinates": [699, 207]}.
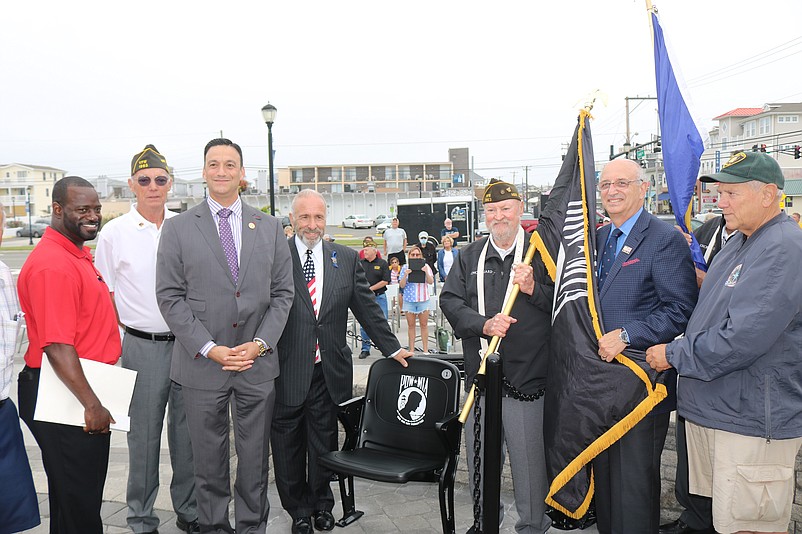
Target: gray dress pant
{"type": "Point", "coordinates": [522, 437]}
{"type": "Point", "coordinates": [153, 393]}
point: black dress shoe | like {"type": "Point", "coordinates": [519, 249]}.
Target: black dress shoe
{"type": "Point", "coordinates": [678, 527]}
{"type": "Point", "coordinates": [324, 520]}
{"type": "Point", "coordinates": [364, 354]}
{"type": "Point", "coordinates": [302, 525]}
{"type": "Point", "coordinates": [191, 527]}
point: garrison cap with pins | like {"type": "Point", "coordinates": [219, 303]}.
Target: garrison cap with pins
{"type": "Point", "coordinates": [148, 158]}
{"type": "Point", "coordinates": [496, 191]}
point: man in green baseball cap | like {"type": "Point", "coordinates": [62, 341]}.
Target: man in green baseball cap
{"type": "Point", "coordinates": [750, 188]}
{"type": "Point", "coordinates": [742, 342]}
{"type": "Point", "coordinates": [747, 167]}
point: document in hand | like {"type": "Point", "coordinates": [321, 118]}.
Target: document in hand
{"type": "Point", "coordinates": [113, 385]}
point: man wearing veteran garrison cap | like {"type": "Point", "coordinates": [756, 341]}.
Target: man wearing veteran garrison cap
{"type": "Point", "coordinates": [740, 364]}
{"type": "Point", "coordinates": [126, 257]}
{"type": "Point", "coordinates": [525, 345]}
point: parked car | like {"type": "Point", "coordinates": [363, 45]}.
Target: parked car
{"type": "Point", "coordinates": [380, 228]}
{"type": "Point", "coordinates": [358, 221]}
{"type": "Point", "coordinates": [379, 219]}
{"type": "Point", "coordinates": [669, 218]}
{"type": "Point", "coordinates": [528, 222]}
{"type": "Point", "coordinates": [36, 229]}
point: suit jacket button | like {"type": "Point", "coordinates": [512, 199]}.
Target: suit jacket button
{"type": "Point", "coordinates": [234, 325]}
{"type": "Point", "coordinates": [237, 294]}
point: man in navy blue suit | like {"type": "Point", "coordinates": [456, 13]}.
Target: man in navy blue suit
{"type": "Point", "coordinates": [647, 291]}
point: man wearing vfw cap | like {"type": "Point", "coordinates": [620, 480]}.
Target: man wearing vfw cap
{"type": "Point", "coordinates": [126, 257]}
{"type": "Point", "coordinates": [472, 304]}
{"type": "Point", "coordinates": [739, 364]}
{"type": "Point", "coordinates": [378, 274]}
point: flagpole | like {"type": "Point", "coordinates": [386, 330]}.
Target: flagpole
{"type": "Point", "coordinates": [491, 347]}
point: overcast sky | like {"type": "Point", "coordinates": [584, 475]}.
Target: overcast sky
{"type": "Point", "coordinates": [87, 84]}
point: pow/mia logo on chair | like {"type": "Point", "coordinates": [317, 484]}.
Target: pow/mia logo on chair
{"type": "Point", "coordinates": [412, 399]}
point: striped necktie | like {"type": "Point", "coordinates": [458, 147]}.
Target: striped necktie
{"type": "Point", "coordinates": [309, 276]}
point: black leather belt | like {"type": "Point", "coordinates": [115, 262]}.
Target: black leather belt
{"type": "Point", "coordinates": [147, 335]}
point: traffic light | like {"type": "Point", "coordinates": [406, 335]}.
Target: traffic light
{"type": "Point", "coordinates": [763, 148]}
{"type": "Point", "coordinates": [796, 152]}
{"type": "Point", "coordinates": [658, 147]}
{"type": "Point", "coordinates": [754, 148]}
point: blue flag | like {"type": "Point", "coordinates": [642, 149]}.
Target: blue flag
{"type": "Point", "coordinates": [682, 137]}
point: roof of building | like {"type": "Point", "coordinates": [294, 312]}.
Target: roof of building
{"type": "Point", "coordinates": [740, 112]}
{"type": "Point", "coordinates": [32, 167]}
{"type": "Point", "coordinates": [783, 107]}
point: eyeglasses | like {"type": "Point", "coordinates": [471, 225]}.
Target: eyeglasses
{"type": "Point", "coordinates": [144, 181]}
{"type": "Point", "coordinates": [619, 184]}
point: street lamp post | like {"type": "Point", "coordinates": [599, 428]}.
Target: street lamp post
{"type": "Point", "coordinates": [269, 114]}
{"type": "Point", "coordinates": [30, 223]}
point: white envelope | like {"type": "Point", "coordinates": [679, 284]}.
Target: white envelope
{"type": "Point", "coordinates": [113, 385]}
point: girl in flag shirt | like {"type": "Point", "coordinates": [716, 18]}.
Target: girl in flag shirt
{"type": "Point", "coordinates": [416, 300]}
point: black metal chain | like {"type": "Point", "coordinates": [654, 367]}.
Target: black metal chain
{"type": "Point", "coordinates": [360, 339]}
{"type": "Point", "coordinates": [477, 461]}
{"type": "Point", "coordinates": [518, 395]}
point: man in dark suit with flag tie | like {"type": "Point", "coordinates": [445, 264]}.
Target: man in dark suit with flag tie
{"type": "Point", "coordinates": [224, 287]}
{"type": "Point", "coordinates": [316, 362]}
{"type": "Point", "coordinates": [647, 291]}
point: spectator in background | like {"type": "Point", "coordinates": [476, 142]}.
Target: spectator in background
{"type": "Point", "coordinates": [416, 298]}
{"type": "Point", "coordinates": [446, 257]}
{"type": "Point", "coordinates": [395, 242]}
{"type": "Point", "coordinates": [449, 230]}
{"type": "Point", "coordinates": [428, 247]}
{"type": "Point", "coordinates": [288, 231]}
{"type": "Point", "coordinates": [795, 217]}
{"type": "Point", "coordinates": [395, 270]}
{"type": "Point", "coordinates": [368, 242]}
{"type": "Point", "coordinates": [378, 274]}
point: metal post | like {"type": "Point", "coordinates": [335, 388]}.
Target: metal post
{"type": "Point", "coordinates": [491, 478]}
{"type": "Point", "coordinates": [30, 224]}
{"type": "Point", "coordinates": [270, 164]}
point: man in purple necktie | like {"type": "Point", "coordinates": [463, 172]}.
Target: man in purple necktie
{"type": "Point", "coordinates": [224, 286]}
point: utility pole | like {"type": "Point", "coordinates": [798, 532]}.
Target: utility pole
{"type": "Point", "coordinates": [526, 189]}
{"type": "Point", "coordinates": [627, 139]}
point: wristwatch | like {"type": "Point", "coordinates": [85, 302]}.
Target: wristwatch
{"type": "Point", "coordinates": [624, 337]}
{"type": "Point", "coordinates": [263, 349]}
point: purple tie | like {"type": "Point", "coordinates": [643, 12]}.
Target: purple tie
{"type": "Point", "coordinates": [227, 240]}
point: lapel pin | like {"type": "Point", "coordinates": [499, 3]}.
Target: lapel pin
{"type": "Point", "coordinates": [251, 225]}
{"type": "Point", "coordinates": [334, 259]}
{"type": "Point", "coordinates": [627, 249]}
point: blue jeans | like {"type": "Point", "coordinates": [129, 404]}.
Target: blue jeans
{"type": "Point", "coordinates": [381, 300]}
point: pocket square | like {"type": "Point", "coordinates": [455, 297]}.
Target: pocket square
{"type": "Point", "coordinates": [630, 262]}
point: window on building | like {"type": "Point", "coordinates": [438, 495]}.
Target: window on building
{"type": "Point", "coordinates": [749, 129]}
{"type": "Point", "coordinates": [788, 118]}
{"type": "Point", "coordinates": [764, 127]}
{"type": "Point", "coordinates": [22, 174]}
{"type": "Point", "coordinates": [723, 143]}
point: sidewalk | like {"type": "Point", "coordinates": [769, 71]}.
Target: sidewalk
{"type": "Point", "coordinates": [409, 508]}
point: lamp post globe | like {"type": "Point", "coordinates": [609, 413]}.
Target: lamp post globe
{"type": "Point", "coordinates": [269, 115]}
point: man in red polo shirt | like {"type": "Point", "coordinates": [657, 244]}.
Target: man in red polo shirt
{"type": "Point", "coordinates": [69, 316]}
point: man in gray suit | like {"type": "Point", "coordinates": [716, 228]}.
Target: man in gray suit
{"type": "Point", "coordinates": [224, 287]}
{"type": "Point", "coordinates": [316, 362]}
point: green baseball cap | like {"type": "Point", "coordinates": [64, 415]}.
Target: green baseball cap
{"type": "Point", "coordinates": [748, 166]}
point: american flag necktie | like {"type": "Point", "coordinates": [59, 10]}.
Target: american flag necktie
{"type": "Point", "coordinates": [309, 276]}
